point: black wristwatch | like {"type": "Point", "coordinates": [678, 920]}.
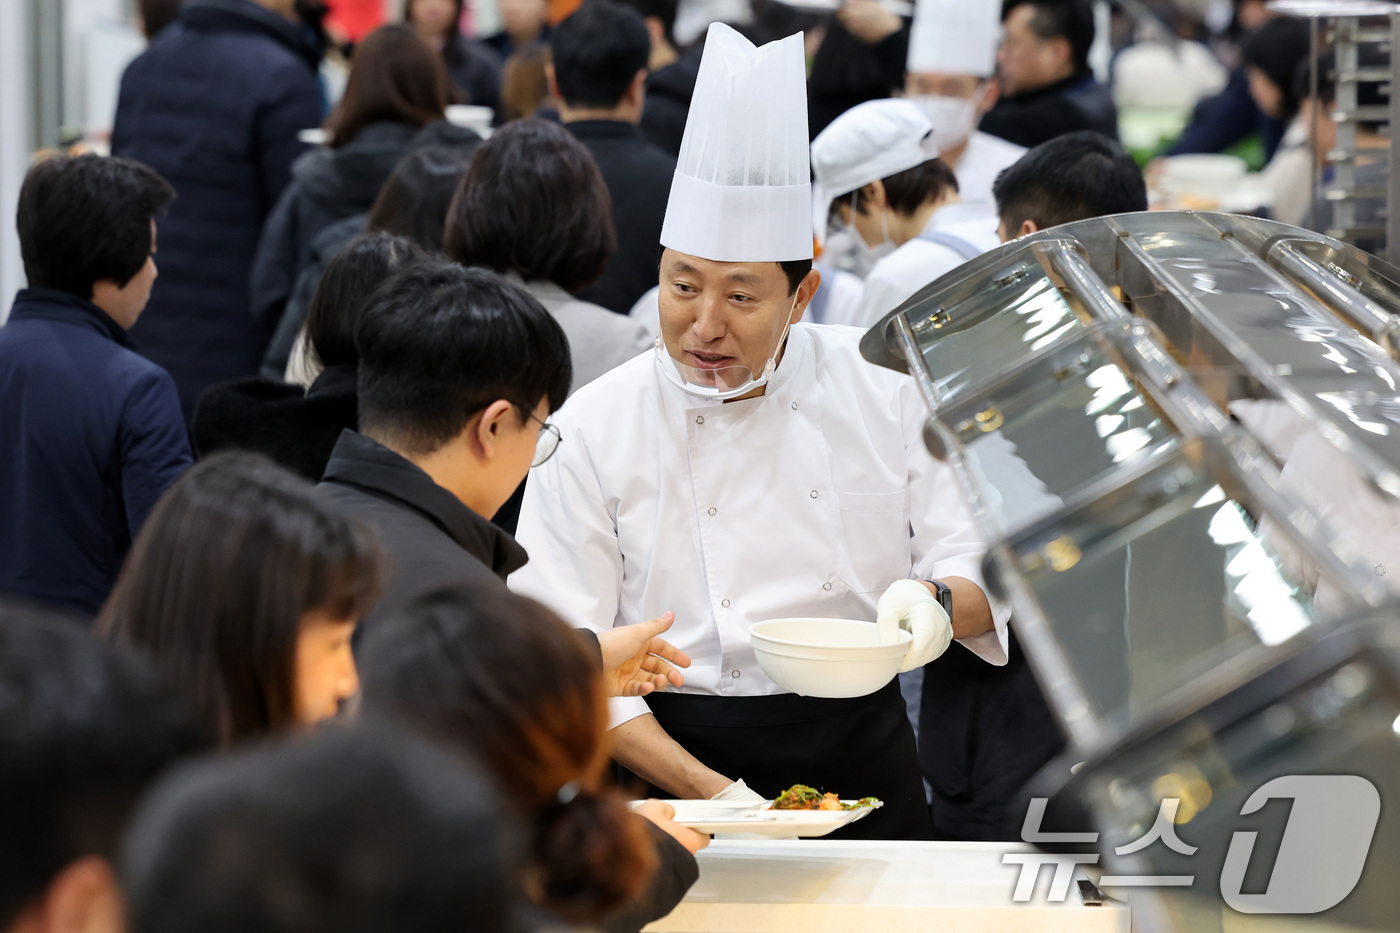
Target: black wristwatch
{"type": "Point", "coordinates": [945, 596]}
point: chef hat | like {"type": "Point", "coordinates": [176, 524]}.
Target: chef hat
{"type": "Point", "coordinates": [955, 37]}
{"type": "Point", "coordinates": [873, 140]}
{"type": "Point", "coordinates": [742, 188]}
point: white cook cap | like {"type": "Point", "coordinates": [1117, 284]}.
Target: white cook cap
{"type": "Point", "coordinates": [955, 37]}
{"type": "Point", "coordinates": [871, 141]}
{"type": "Point", "coordinates": [742, 190]}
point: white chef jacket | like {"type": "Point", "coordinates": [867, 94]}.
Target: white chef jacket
{"type": "Point", "coordinates": [918, 262]}
{"type": "Point", "coordinates": [807, 501]}
{"type": "Point", "coordinates": [985, 157]}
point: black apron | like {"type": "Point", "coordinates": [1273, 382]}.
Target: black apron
{"type": "Point", "coordinates": [860, 747]}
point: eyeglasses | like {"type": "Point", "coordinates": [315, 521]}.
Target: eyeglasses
{"type": "Point", "coordinates": [548, 442]}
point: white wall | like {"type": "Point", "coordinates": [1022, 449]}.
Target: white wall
{"type": "Point", "coordinates": [16, 143]}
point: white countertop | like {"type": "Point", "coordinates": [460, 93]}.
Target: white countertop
{"type": "Point", "coordinates": [822, 886]}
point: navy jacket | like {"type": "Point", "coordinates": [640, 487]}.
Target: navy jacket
{"type": "Point", "coordinates": [215, 105]}
{"type": "Point", "coordinates": [92, 435]}
{"type": "Point", "coordinates": [1220, 121]}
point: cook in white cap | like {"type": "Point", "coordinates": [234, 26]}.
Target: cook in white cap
{"type": "Point", "coordinates": [753, 467]}
{"type": "Point", "coordinates": [952, 57]}
{"type": "Point", "coordinates": [879, 176]}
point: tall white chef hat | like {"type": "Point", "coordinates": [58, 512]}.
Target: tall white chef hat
{"type": "Point", "coordinates": [742, 189]}
{"type": "Point", "coordinates": [873, 140]}
{"type": "Point", "coordinates": [955, 37]}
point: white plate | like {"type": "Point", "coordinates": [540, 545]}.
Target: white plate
{"type": "Point", "coordinates": [715, 817]}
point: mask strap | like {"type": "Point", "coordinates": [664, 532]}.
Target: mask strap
{"type": "Point", "coordinates": [772, 363]}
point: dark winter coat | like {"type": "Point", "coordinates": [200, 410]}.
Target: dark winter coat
{"type": "Point", "coordinates": [638, 175]}
{"type": "Point", "coordinates": [215, 105]}
{"type": "Point", "coordinates": [475, 69]}
{"type": "Point", "coordinates": [1076, 103]}
{"type": "Point", "coordinates": [92, 436]}
{"type": "Point", "coordinates": [296, 428]}
{"type": "Point", "coordinates": [330, 185]}
{"type": "Point", "coordinates": [324, 246]}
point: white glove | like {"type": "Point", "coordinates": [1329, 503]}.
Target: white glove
{"type": "Point", "coordinates": [739, 791]}
{"type": "Point", "coordinates": [909, 605]}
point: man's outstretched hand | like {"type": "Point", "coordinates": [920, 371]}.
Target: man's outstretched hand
{"type": "Point", "coordinates": [637, 660]}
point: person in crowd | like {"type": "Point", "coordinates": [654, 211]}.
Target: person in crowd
{"type": "Point", "coordinates": [533, 206]}
{"type": "Point", "coordinates": [473, 66]}
{"type": "Point", "coordinates": [1047, 87]}
{"type": "Point", "coordinates": [394, 102]}
{"type": "Point", "coordinates": [653, 446]}
{"type": "Point", "coordinates": [215, 108]}
{"type": "Point", "coordinates": [524, 86]}
{"type": "Point", "coordinates": [879, 177]}
{"type": "Point", "coordinates": [860, 58]}
{"type": "Point", "coordinates": [523, 22]}
{"type": "Point", "coordinates": [412, 204]}
{"type": "Point", "coordinates": [370, 829]}
{"type": "Point", "coordinates": [598, 73]}
{"type": "Point", "coordinates": [1370, 167]}
{"type": "Point", "coordinates": [1272, 56]}
{"type": "Point", "coordinates": [505, 680]}
{"type": "Point", "coordinates": [245, 588]}
{"type": "Point", "coordinates": [92, 432]}
{"type": "Point", "coordinates": [84, 729]}
{"type": "Point", "coordinates": [952, 60]}
{"type": "Point", "coordinates": [299, 427]}
{"type": "Point", "coordinates": [1075, 177]}
{"type": "Point", "coordinates": [670, 75]}
{"type": "Point", "coordinates": [459, 369]}
{"type": "Point", "coordinates": [156, 15]}
{"type": "Point", "coordinates": [1224, 119]}
{"type": "Point", "coordinates": [976, 785]}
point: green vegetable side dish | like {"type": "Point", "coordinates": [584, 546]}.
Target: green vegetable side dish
{"type": "Point", "coordinates": [802, 797]}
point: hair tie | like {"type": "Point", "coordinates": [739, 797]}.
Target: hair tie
{"type": "Point", "coordinates": [568, 792]}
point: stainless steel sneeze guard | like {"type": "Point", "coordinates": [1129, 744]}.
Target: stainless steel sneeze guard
{"type": "Point", "coordinates": [1118, 397]}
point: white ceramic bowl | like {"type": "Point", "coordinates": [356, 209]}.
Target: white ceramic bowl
{"type": "Point", "coordinates": [826, 657]}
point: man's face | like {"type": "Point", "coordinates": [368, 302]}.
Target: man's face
{"type": "Point", "coordinates": [1025, 61]}
{"type": "Point", "coordinates": [723, 320]}
{"type": "Point", "coordinates": [941, 84]}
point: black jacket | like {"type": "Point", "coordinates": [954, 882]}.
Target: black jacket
{"type": "Point", "coordinates": [638, 175]}
{"type": "Point", "coordinates": [846, 71]}
{"type": "Point", "coordinates": [324, 246]}
{"type": "Point", "coordinates": [430, 536]}
{"type": "Point", "coordinates": [296, 428]}
{"type": "Point", "coordinates": [330, 185]}
{"type": "Point", "coordinates": [1076, 103]}
{"type": "Point", "coordinates": [667, 103]}
{"type": "Point", "coordinates": [215, 104]}
{"type": "Point", "coordinates": [475, 69]}
{"type": "Point", "coordinates": [91, 435]}
{"type": "Point", "coordinates": [676, 871]}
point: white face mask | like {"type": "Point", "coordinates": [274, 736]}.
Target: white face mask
{"type": "Point", "coordinates": [869, 255]}
{"type": "Point", "coordinates": [954, 118]}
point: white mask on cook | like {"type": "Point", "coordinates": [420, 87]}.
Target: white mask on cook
{"type": "Point", "coordinates": [954, 118]}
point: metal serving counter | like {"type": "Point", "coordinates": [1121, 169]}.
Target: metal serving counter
{"type": "Point", "coordinates": [1128, 402]}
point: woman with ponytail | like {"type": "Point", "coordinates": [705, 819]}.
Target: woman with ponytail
{"type": "Point", "coordinates": [505, 680]}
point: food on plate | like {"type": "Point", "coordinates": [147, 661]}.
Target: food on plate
{"type": "Point", "coordinates": [802, 797]}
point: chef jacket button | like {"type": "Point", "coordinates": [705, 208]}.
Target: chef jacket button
{"type": "Point", "coordinates": [712, 510]}
{"type": "Point", "coordinates": [826, 586]}
{"type": "Point", "coordinates": [724, 603]}
{"type": "Point", "coordinates": [794, 406]}
{"type": "Point", "coordinates": [699, 419]}
{"type": "Point", "coordinates": [814, 493]}
{"type": "Point", "coordinates": [734, 674]}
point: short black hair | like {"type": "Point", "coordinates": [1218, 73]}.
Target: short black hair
{"type": "Point", "coordinates": [346, 285]}
{"type": "Point", "coordinates": [1071, 20]}
{"type": "Point", "coordinates": [363, 829]}
{"type": "Point", "coordinates": [909, 190]}
{"type": "Point", "coordinates": [662, 10]}
{"type": "Point", "coordinates": [1072, 177]}
{"type": "Point", "coordinates": [84, 728]}
{"type": "Point", "coordinates": [597, 52]}
{"type": "Point", "coordinates": [534, 203]}
{"type": "Point", "coordinates": [439, 342]}
{"type": "Point", "coordinates": [1279, 49]}
{"type": "Point", "coordinates": [796, 270]}
{"type": "Point", "coordinates": [86, 219]}
{"type": "Point", "coordinates": [414, 200]}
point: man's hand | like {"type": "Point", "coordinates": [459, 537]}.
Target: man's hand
{"type": "Point", "coordinates": [664, 816]}
{"type": "Point", "coordinates": [636, 660]}
{"type": "Point", "coordinates": [868, 21]}
{"type": "Point", "coordinates": [910, 605]}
